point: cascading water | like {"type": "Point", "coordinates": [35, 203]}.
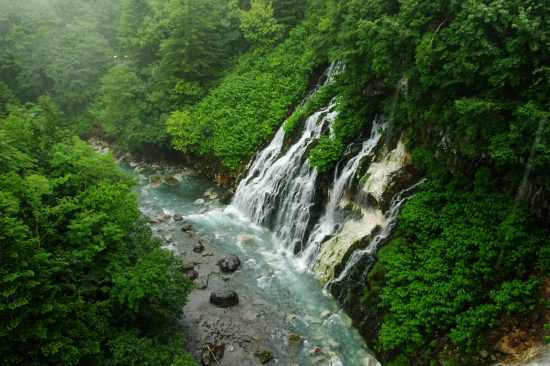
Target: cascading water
{"type": "Point", "coordinates": [331, 221]}
{"type": "Point", "coordinates": [279, 191]}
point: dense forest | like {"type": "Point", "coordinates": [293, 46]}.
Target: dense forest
{"type": "Point", "coordinates": [467, 83]}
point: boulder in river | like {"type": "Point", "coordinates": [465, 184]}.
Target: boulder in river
{"type": "Point", "coordinates": [171, 181]}
{"type": "Point", "coordinates": [202, 282]}
{"type": "Point", "coordinates": [265, 356]}
{"type": "Point", "coordinates": [160, 218]}
{"type": "Point", "coordinates": [200, 201]}
{"type": "Point", "coordinates": [295, 338]}
{"type": "Point", "coordinates": [198, 248]}
{"type": "Point", "coordinates": [229, 263]}
{"type": "Point", "coordinates": [245, 237]}
{"type": "Point", "coordinates": [224, 298]}
{"type": "Point", "coordinates": [187, 228]}
{"type": "Point", "coordinates": [168, 238]}
{"type": "Point", "coordinates": [192, 274]}
{"type": "Point", "coordinates": [177, 217]}
{"type": "Point", "coordinates": [155, 181]}
{"type": "Point", "coordinates": [188, 266]}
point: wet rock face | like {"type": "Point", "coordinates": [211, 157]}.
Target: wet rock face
{"type": "Point", "coordinates": [224, 298]}
{"type": "Point", "coordinates": [229, 263]}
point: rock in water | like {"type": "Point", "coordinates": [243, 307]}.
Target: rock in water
{"type": "Point", "coordinates": [229, 263]}
{"type": "Point", "coordinates": [192, 274]}
{"type": "Point", "coordinates": [200, 201]}
{"type": "Point", "coordinates": [245, 237]}
{"type": "Point", "coordinates": [198, 248]}
{"type": "Point", "coordinates": [212, 350]}
{"type": "Point", "coordinates": [155, 181]}
{"type": "Point", "coordinates": [206, 357]}
{"type": "Point", "coordinates": [295, 338]}
{"type": "Point", "coordinates": [224, 298]}
{"type": "Point", "coordinates": [171, 180]}
{"type": "Point", "coordinates": [188, 266]}
{"type": "Point", "coordinates": [160, 218]}
{"type": "Point", "coordinates": [265, 356]}
{"type": "Point", "coordinates": [202, 282]}
{"type": "Point", "coordinates": [177, 217]}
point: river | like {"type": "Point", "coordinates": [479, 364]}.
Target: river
{"type": "Point", "coordinates": [277, 296]}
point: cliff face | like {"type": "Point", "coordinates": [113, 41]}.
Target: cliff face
{"type": "Point", "coordinates": [386, 174]}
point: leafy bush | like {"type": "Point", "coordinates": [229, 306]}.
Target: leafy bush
{"type": "Point", "coordinates": [464, 262]}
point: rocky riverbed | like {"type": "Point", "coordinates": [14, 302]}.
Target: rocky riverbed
{"type": "Point", "coordinates": [282, 316]}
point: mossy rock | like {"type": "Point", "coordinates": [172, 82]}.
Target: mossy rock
{"type": "Point", "coordinates": [295, 338]}
{"type": "Point", "coordinates": [155, 180]}
{"type": "Point", "coordinates": [265, 356]}
{"type": "Point", "coordinates": [171, 181]}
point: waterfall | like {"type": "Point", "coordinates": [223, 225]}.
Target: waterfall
{"type": "Point", "coordinates": [369, 252]}
{"type": "Point", "coordinates": [331, 221]}
{"type": "Point", "coordinates": [279, 190]}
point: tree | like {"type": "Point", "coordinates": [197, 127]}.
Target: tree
{"type": "Point", "coordinates": [259, 24]}
{"type": "Point", "coordinates": [192, 55]}
{"type": "Point", "coordinates": [81, 274]}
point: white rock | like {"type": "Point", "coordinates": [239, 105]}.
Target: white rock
{"type": "Point", "coordinates": [326, 314]}
{"type": "Point", "coordinates": [200, 201]}
{"type": "Point", "coordinates": [245, 237]}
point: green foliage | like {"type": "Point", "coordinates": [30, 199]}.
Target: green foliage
{"type": "Point", "coordinates": [464, 263]}
{"type": "Point", "coordinates": [7, 98]}
{"type": "Point", "coordinates": [259, 25]}
{"type": "Point", "coordinates": [463, 63]}
{"type": "Point", "coordinates": [82, 281]}
{"type": "Point", "coordinates": [401, 360]}
{"type": "Point", "coordinates": [193, 53]}
{"type": "Point", "coordinates": [183, 130]}
{"type": "Point", "coordinates": [249, 103]}
{"type": "Point", "coordinates": [326, 153]}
